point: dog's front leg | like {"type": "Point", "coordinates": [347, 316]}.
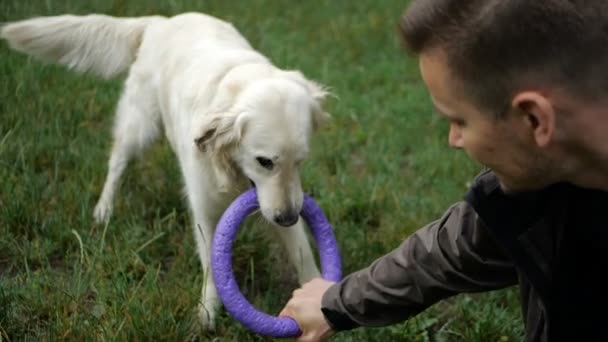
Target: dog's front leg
{"type": "Point", "coordinates": [210, 303]}
{"type": "Point", "coordinates": [299, 251]}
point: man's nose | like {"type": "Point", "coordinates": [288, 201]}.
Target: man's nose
{"type": "Point", "coordinates": [455, 136]}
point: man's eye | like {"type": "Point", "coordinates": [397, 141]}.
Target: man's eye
{"type": "Point", "coordinates": [265, 163]}
{"type": "Point", "coordinates": [459, 123]}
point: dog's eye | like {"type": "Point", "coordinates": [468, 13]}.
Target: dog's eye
{"type": "Point", "coordinates": [265, 162]}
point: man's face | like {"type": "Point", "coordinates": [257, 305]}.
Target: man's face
{"type": "Point", "coordinates": [505, 145]}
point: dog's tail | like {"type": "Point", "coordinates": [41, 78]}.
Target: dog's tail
{"type": "Point", "coordinates": [100, 44]}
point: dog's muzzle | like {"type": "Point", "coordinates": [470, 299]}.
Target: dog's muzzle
{"type": "Point", "coordinates": [287, 218]}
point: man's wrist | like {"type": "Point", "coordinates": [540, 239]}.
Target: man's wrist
{"type": "Point", "coordinates": [337, 319]}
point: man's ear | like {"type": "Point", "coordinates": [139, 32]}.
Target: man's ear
{"type": "Point", "coordinates": [539, 114]}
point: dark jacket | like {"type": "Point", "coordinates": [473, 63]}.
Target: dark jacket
{"type": "Point", "coordinates": [553, 243]}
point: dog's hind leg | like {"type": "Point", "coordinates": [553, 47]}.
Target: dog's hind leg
{"type": "Point", "coordinates": [137, 125]}
{"type": "Point", "coordinates": [299, 251]}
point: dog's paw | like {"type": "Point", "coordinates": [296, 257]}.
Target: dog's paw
{"type": "Point", "coordinates": [207, 316]}
{"type": "Point", "coordinates": [102, 212]}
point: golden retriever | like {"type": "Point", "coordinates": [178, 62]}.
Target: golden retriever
{"type": "Point", "coordinates": [232, 118]}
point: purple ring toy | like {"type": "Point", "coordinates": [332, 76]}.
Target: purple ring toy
{"type": "Point", "coordinates": [221, 264]}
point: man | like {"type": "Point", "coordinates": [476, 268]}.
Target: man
{"type": "Point", "coordinates": [524, 85]}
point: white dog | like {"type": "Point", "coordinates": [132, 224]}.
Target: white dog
{"type": "Point", "coordinates": [231, 117]}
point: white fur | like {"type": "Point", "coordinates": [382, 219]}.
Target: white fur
{"type": "Point", "coordinates": [220, 103]}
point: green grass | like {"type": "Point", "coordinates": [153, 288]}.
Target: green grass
{"type": "Point", "coordinates": [379, 171]}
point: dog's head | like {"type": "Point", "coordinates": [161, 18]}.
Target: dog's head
{"type": "Point", "coordinates": [264, 135]}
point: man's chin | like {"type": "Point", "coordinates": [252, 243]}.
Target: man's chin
{"type": "Point", "coordinates": [510, 187]}
{"type": "Point", "coordinates": [507, 189]}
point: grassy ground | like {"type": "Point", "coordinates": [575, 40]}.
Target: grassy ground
{"type": "Point", "coordinates": [379, 171]}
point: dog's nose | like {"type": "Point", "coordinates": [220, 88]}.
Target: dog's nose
{"type": "Point", "coordinates": [286, 218]}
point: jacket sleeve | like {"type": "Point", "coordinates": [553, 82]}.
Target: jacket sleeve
{"type": "Point", "coordinates": [452, 255]}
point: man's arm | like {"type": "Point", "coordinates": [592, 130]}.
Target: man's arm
{"type": "Point", "coordinates": [452, 255]}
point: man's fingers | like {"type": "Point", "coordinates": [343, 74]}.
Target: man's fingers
{"type": "Point", "coordinates": [289, 309]}
{"type": "Point", "coordinates": [307, 337]}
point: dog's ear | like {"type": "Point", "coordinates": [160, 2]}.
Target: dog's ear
{"type": "Point", "coordinates": [217, 131]}
{"type": "Point", "coordinates": [216, 135]}
{"type": "Point", "coordinates": [318, 92]}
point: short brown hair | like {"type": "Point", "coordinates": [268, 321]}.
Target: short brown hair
{"type": "Point", "coordinates": [494, 47]}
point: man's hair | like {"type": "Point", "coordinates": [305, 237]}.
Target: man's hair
{"type": "Point", "coordinates": [495, 47]}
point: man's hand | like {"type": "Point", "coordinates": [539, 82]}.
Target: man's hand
{"type": "Point", "coordinates": [305, 307]}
